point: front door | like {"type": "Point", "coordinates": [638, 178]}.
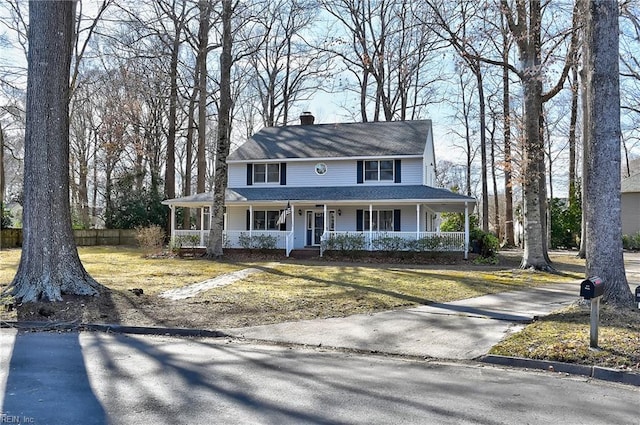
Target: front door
{"type": "Point", "coordinates": [315, 227]}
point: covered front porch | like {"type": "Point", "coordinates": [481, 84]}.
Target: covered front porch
{"type": "Point", "coordinates": [330, 225]}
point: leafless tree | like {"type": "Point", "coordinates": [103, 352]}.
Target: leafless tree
{"type": "Point", "coordinates": [49, 265]}
{"type": "Point", "coordinates": [602, 187]}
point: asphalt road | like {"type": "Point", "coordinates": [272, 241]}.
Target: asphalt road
{"type": "Point", "coordinates": [95, 379]}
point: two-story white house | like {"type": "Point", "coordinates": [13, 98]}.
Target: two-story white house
{"type": "Point", "coordinates": [326, 185]}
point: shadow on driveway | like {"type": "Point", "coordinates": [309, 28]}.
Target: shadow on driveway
{"type": "Point", "coordinates": [47, 382]}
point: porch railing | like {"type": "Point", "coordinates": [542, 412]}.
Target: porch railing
{"type": "Point", "coordinates": [393, 241]}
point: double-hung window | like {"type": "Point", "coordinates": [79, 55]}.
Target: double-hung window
{"type": "Point", "coordinates": [380, 220]}
{"type": "Point", "coordinates": [266, 220]}
{"type": "Point", "coordinates": [266, 173]}
{"type": "Point", "coordinates": [378, 170]}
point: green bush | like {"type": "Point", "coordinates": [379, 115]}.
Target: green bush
{"type": "Point", "coordinates": [5, 221]}
{"type": "Point", "coordinates": [185, 241]}
{"type": "Point", "coordinates": [454, 222]}
{"type": "Point", "coordinates": [257, 241]}
{"type": "Point", "coordinates": [566, 223]}
{"type": "Point", "coordinates": [390, 243]}
{"type": "Point", "coordinates": [631, 242]}
{"type": "Point", "coordinates": [345, 242]}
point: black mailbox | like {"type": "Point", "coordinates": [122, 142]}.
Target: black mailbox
{"type": "Point", "coordinates": [592, 288]}
{"type": "Point", "coordinates": [638, 294]}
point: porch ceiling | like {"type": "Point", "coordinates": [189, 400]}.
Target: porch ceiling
{"type": "Point", "coordinates": [439, 200]}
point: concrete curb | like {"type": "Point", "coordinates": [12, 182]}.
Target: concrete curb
{"type": "Point", "coordinates": [134, 330]}
{"type": "Point", "coordinates": [596, 372]}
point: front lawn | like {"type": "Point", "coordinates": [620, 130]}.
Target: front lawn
{"type": "Point", "coordinates": [288, 290]}
{"type": "Point", "coordinates": [284, 290]}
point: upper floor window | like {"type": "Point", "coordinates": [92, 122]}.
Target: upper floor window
{"type": "Point", "coordinates": [378, 170]}
{"type": "Point", "coordinates": [266, 173]}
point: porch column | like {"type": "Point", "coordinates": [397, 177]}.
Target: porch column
{"type": "Point", "coordinates": [325, 214]}
{"type": "Point", "coordinates": [202, 226]}
{"type": "Point", "coordinates": [417, 221]}
{"type": "Point", "coordinates": [173, 222]}
{"type": "Point", "coordinates": [466, 230]}
{"type": "Point", "coordinates": [292, 211]}
{"type": "Point", "coordinates": [370, 227]}
{"type": "Point", "coordinates": [250, 220]}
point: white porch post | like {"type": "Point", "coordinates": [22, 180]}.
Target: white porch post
{"type": "Point", "coordinates": [293, 218]}
{"type": "Point", "coordinates": [417, 221]}
{"type": "Point", "coordinates": [466, 230]}
{"type": "Point", "coordinates": [173, 222]}
{"type": "Point", "coordinates": [326, 218]}
{"type": "Point", "coordinates": [250, 220]}
{"type": "Point", "coordinates": [370, 227]}
{"type": "Point", "coordinates": [202, 226]}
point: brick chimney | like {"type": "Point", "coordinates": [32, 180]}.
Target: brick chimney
{"type": "Point", "coordinates": [307, 118]}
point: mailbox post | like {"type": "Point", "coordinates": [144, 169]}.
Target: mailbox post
{"type": "Point", "coordinates": [593, 289]}
{"type": "Point", "coordinates": [638, 295]}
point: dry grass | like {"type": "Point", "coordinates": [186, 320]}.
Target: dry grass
{"type": "Point", "coordinates": [284, 290]}
{"type": "Point", "coordinates": [288, 290]}
{"type": "Point", "coordinates": [564, 336]}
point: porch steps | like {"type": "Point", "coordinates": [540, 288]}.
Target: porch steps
{"type": "Point", "coordinates": [305, 253]}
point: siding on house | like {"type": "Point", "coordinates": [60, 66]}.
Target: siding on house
{"type": "Point", "coordinates": [630, 213]}
{"type": "Point", "coordinates": [341, 172]}
{"type": "Point", "coordinates": [630, 205]}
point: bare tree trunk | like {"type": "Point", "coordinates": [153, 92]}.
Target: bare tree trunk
{"type": "Point", "coordinates": [214, 249]}
{"type": "Point", "coordinates": [49, 266]}
{"type": "Point", "coordinates": [494, 180]}
{"type": "Point", "coordinates": [201, 63]}
{"type": "Point", "coordinates": [508, 164]}
{"type": "Point", "coordinates": [186, 189]}
{"type": "Point", "coordinates": [582, 253]}
{"type": "Point", "coordinates": [572, 134]}
{"type": "Point", "coordinates": [527, 33]}
{"type": "Point", "coordinates": [170, 164]}
{"type": "Point", "coordinates": [483, 147]}
{"type": "Point", "coordinates": [604, 223]}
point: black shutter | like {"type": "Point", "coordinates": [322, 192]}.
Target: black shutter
{"type": "Point", "coordinates": [248, 220]}
{"type": "Point", "coordinates": [398, 171]}
{"type": "Point", "coordinates": [283, 174]}
{"type": "Point", "coordinates": [359, 220]}
{"type": "Point", "coordinates": [396, 220]}
{"type": "Point", "coordinates": [249, 174]}
{"type": "Point", "coordinates": [360, 172]}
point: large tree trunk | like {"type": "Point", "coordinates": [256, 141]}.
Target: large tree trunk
{"type": "Point", "coordinates": [508, 167]}
{"type": "Point", "coordinates": [534, 246]}
{"type": "Point", "coordinates": [201, 63]}
{"type": "Point", "coordinates": [49, 266]}
{"type": "Point", "coordinates": [214, 249]}
{"type": "Point", "coordinates": [483, 147]}
{"type": "Point", "coordinates": [170, 164]}
{"type": "Point", "coordinates": [604, 223]}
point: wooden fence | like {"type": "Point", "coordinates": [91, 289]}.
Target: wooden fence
{"type": "Point", "coordinates": [12, 238]}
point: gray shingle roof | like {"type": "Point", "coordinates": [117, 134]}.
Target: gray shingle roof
{"type": "Point", "coordinates": [340, 193]}
{"type": "Point", "coordinates": [394, 138]}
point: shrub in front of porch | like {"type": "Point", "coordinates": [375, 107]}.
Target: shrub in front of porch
{"type": "Point", "coordinates": [348, 242]}
{"type": "Point", "coordinates": [262, 242]}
